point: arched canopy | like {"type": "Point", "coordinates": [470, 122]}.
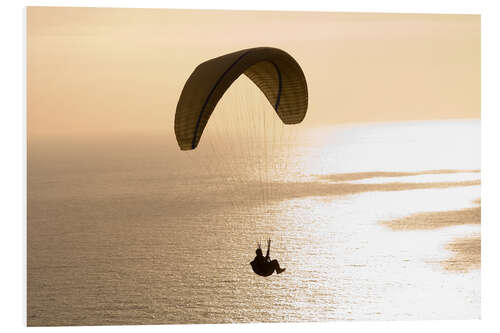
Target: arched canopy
{"type": "Point", "coordinates": [274, 71]}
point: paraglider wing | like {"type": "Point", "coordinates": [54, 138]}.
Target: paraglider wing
{"type": "Point", "coordinates": [274, 71]}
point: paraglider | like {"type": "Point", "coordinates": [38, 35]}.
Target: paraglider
{"type": "Point", "coordinates": [264, 266]}
{"type": "Point", "coordinates": [274, 72]}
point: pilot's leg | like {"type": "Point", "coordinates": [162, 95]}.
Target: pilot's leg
{"type": "Point", "coordinates": [276, 266]}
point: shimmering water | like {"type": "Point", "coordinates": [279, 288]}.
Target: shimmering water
{"type": "Point", "coordinates": [129, 230]}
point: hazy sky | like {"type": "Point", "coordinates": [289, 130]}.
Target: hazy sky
{"type": "Point", "coordinates": [92, 69]}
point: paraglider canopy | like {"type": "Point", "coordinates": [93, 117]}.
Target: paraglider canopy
{"type": "Point", "coordinates": [274, 72]}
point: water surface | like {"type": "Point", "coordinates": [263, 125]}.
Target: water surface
{"type": "Point", "coordinates": [129, 230]}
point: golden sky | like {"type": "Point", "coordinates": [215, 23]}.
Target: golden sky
{"type": "Point", "coordinates": [93, 70]}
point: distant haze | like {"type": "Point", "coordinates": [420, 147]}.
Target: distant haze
{"type": "Point", "coordinates": [96, 70]}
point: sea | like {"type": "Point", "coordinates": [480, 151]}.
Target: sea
{"type": "Point", "coordinates": [376, 221]}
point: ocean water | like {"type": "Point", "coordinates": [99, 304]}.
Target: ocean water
{"type": "Point", "coordinates": [127, 229]}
